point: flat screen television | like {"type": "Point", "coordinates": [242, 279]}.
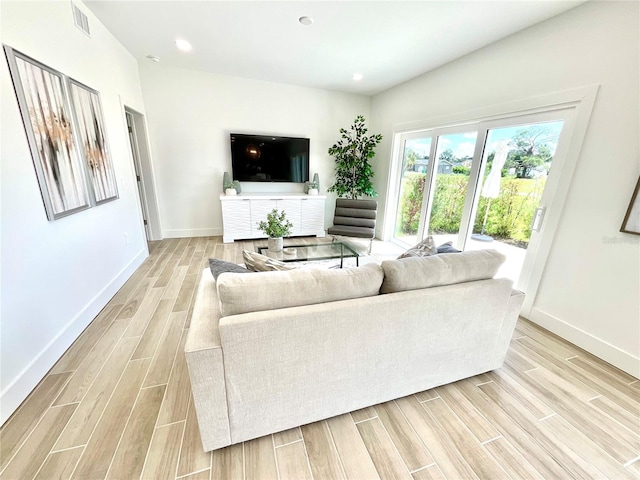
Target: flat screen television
{"type": "Point", "coordinates": [266, 158]}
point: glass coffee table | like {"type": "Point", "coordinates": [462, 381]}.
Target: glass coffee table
{"type": "Point", "coordinates": [309, 253]}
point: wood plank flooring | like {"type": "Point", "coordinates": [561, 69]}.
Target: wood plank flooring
{"type": "Point", "coordinates": [118, 405]}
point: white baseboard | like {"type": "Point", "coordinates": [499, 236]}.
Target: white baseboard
{"type": "Point", "coordinates": [215, 232]}
{"type": "Point", "coordinates": [598, 347]}
{"type": "Point", "coordinates": [20, 387]}
{"type": "Point", "coordinates": [192, 232]}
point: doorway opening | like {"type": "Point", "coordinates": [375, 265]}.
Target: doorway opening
{"type": "Point", "coordinates": [141, 157]}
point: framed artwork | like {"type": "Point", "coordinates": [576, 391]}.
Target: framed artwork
{"type": "Point", "coordinates": [47, 121]}
{"type": "Point", "coordinates": [92, 141]}
{"type": "Point", "coordinates": [631, 222]}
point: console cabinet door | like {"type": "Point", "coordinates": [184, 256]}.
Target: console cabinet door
{"type": "Point", "coordinates": [236, 218]}
{"type": "Point", "coordinates": [292, 208]}
{"type": "Point", "coordinates": [312, 216]}
{"type": "Point", "coordinates": [259, 210]}
{"type": "Point", "coordinates": [240, 216]}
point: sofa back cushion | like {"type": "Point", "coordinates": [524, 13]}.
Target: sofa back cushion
{"type": "Point", "coordinates": [423, 272]}
{"type": "Point", "coordinates": [273, 290]}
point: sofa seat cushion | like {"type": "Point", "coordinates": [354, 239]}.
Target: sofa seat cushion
{"type": "Point", "coordinates": [273, 290]}
{"type": "Point", "coordinates": [437, 270]}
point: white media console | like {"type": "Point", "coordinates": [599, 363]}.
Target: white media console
{"type": "Point", "coordinates": [241, 214]}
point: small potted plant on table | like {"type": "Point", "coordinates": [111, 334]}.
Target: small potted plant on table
{"type": "Point", "coordinates": [276, 227]}
{"type": "Point", "coordinates": [230, 188]}
{"type": "Point", "coordinates": [313, 188]}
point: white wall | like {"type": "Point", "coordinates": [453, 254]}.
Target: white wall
{"type": "Point", "coordinates": [190, 115]}
{"type": "Point", "coordinates": [56, 276]}
{"type": "Point", "coordinates": [590, 290]}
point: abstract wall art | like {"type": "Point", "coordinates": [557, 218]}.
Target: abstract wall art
{"type": "Point", "coordinates": [45, 112]}
{"type": "Point", "coordinates": [92, 141]}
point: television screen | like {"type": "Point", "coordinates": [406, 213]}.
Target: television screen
{"type": "Point", "coordinates": [265, 158]}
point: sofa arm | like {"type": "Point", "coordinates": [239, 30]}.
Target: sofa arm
{"type": "Point", "coordinates": [508, 325]}
{"type": "Point", "coordinates": [203, 353]}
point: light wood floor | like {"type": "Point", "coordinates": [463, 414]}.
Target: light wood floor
{"type": "Point", "coordinates": [118, 405]}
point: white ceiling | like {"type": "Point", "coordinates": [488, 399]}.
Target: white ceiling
{"type": "Point", "coordinates": [389, 42]}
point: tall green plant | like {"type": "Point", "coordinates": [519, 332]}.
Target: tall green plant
{"type": "Point", "coordinates": [352, 154]}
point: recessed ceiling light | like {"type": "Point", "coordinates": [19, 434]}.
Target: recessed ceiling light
{"type": "Point", "coordinates": [153, 58]}
{"type": "Point", "coordinates": [306, 20]}
{"type": "Point", "coordinates": [183, 45]}
{"type": "Point", "coordinates": [357, 77]}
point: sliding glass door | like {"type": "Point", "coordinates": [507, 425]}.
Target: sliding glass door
{"type": "Point", "coordinates": [515, 166]}
{"type": "Point", "coordinates": [477, 186]}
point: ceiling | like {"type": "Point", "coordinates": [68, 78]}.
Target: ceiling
{"type": "Point", "coordinates": [388, 42]}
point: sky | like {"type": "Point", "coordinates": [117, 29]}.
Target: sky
{"type": "Point", "coordinates": [463, 144]}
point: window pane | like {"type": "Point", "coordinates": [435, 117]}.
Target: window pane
{"type": "Point", "coordinates": [454, 156]}
{"type": "Point", "coordinates": [414, 172]}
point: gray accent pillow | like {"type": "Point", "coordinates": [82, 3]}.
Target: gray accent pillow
{"type": "Point", "coordinates": [423, 249]}
{"type": "Point", "coordinates": [218, 266]}
{"type": "Point", "coordinates": [447, 247]}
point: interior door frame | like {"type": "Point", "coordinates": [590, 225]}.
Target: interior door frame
{"type": "Point", "coordinates": [148, 201]}
{"type": "Point", "coordinates": [135, 151]}
{"type": "Point", "coordinates": [580, 101]}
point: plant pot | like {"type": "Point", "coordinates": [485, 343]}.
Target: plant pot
{"type": "Point", "coordinates": [313, 191]}
{"type": "Point", "coordinates": [275, 244]}
{"type": "Point", "coordinates": [230, 191]}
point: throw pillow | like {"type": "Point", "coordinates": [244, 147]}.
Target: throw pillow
{"type": "Point", "coordinates": [423, 249]}
{"type": "Point", "coordinates": [261, 263]}
{"type": "Point", "coordinates": [218, 266]}
{"type": "Point", "coordinates": [448, 248]}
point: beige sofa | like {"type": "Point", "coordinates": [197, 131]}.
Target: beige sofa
{"type": "Point", "coordinates": [270, 351]}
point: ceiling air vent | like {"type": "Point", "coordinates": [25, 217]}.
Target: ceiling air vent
{"type": "Point", "coordinates": [81, 20]}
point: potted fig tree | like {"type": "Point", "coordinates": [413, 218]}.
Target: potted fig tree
{"type": "Point", "coordinates": [352, 154]}
{"type": "Point", "coordinates": [230, 188]}
{"type": "Point", "coordinates": [275, 227]}
{"type": "Point", "coordinates": [354, 150]}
